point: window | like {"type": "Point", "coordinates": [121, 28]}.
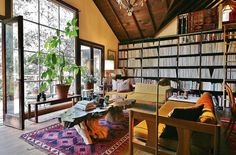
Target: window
{"type": "Point", "coordinates": [42, 18]}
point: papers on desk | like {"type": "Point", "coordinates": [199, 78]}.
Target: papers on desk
{"type": "Point", "coordinates": [85, 105]}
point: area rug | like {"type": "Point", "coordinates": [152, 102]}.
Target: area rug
{"type": "Point", "coordinates": [56, 140]}
{"type": "Point", "coordinates": [232, 138]}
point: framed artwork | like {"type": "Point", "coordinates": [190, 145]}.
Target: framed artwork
{"type": "Point", "coordinates": [111, 55]}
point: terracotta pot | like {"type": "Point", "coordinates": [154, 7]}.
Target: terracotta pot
{"type": "Point", "coordinates": [88, 86]}
{"type": "Point", "coordinates": [62, 90]}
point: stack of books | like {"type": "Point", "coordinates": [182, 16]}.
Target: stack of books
{"type": "Point", "coordinates": [85, 105]}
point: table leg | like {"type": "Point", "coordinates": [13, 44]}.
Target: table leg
{"type": "Point", "coordinates": [131, 124]}
{"type": "Point", "coordinates": [36, 113]}
{"type": "Point", "coordinates": [29, 110]}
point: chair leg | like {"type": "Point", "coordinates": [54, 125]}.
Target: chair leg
{"type": "Point", "coordinates": [228, 126]}
{"type": "Point", "coordinates": [231, 128]}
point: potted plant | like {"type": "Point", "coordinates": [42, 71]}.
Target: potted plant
{"type": "Point", "coordinates": [56, 66]}
{"type": "Point", "coordinates": [88, 79]}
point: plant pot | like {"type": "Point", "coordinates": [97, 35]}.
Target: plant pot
{"type": "Point", "coordinates": [62, 90]}
{"type": "Point", "coordinates": [88, 86]}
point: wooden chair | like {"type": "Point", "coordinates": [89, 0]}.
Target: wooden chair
{"type": "Point", "coordinates": [232, 121]}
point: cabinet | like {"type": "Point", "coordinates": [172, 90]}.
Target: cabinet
{"type": "Point", "coordinates": [195, 59]}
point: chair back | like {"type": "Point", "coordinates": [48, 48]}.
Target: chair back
{"type": "Point", "coordinates": [231, 98]}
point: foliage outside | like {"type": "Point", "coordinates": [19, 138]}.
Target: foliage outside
{"type": "Point", "coordinates": [87, 77]}
{"type": "Point", "coordinates": [57, 67]}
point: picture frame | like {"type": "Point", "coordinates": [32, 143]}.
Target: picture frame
{"type": "Point", "coordinates": [111, 55]}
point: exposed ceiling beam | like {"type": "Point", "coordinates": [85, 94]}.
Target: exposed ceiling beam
{"type": "Point", "coordinates": [118, 18]}
{"type": "Point", "coordinates": [137, 25]}
{"type": "Point", "coordinates": [151, 16]}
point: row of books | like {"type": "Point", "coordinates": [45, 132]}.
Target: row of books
{"type": "Point", "coordinates": [231, 74]}
{"type": "Point", "coordinates": [134, 54]}
{"type": "Point", "coordinates": [150, 73]}
{"type": "Point", "coordinates": [189, 49]}
{"type": "Point", "coordinates": [167, 73]}
{"type": "Point", "coordinates": [137, 72]}
{"type": "Point", "coordinates": [122, 63]}
{"type": "Point", "coordinates": [208, 86]}
{"type": "Point", "coordinates": [212, 60]}
{"type": "Point", "coordinates": [189, 61]}
{"type": "Point", "coordinates": [123, 54]}
{"type": "Point", "coordinates": [134, 63]}
{"type": "Point", "coordinates": [150, 62]}
{"type": "Point", "coordinates": [151, 44]}
{"type": "Point", "coordinates": [190, 39]}
{"type": "Point", "coordinates": [149, 81]}
{"type": "Point", "coordinates": [169, 42]}
{"type": "Point", "coordinates": [150, 52]}
{"type": "Point", "coordinates": [189, 85]}
{"type": "Point", "coordinates": [168, 51]}
{"type": "Point", "coordinates": [232, 47]}
{"type": "Point", "coordinates": [213, 47]}
{"type": "Point", "coordinates": [216, 74]}
{"type": "Point", "coordinates": [168, 62]}
{"type": "Point", "coordinates": [231, 60]}
{"type": "Point", "coordinates": [212, 36]}
{"type": "Point", "coordinates": [188, 73]}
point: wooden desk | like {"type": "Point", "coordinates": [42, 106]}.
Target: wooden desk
{"type": "Point", "coordinates": [50, 100]}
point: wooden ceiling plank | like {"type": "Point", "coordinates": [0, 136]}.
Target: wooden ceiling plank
{"type": "Point", "coordinates": [137, 25]}
{"type": "Point", "coordinates": [151, 16]}
{"type": "Point", "coordinates": [117, 17]}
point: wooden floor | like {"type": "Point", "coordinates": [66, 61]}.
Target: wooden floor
{"type": "Point", "coordinates": [10, 144]}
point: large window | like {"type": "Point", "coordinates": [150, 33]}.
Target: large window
{"type": "Point", "coordinates": [42, 18]}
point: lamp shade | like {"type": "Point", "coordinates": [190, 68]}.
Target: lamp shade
{"type": "Point", "coordinates": [109, 65]}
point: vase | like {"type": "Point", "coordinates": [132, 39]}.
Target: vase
{"type": "Point", "coordinates": [62, 90]}
{"type": "Point", "coordinates": [88, 86]}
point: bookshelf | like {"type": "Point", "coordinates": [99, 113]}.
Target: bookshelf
{"type": "Point", "coordinates": [194, 59]}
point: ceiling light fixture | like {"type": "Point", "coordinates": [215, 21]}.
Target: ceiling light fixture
{"type": "Point", "coordinates": [130, 4]}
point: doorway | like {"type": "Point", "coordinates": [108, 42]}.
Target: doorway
{"type": "Point", "coordinates": [92, 57]}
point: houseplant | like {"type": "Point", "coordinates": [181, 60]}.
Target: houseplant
{"type": "Point", "coordinates": [57, 68]}
{"type": "Point", "coordinates": [88, 79]}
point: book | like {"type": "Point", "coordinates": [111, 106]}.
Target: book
{"type": "Point", "coordinates": [85, 105]}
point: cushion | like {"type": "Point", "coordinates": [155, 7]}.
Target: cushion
{"type": "Point", "coordinates": [121, 94]}
{"type": "Point", "coordinates": [150, 88]}
{"type": "Point", "coordinates": [208, 115]}
{"type": "Point", "coordinates": [190, 114]}
{"type": "Point", "coordinates": [123, 86]}
{"type": "Point", "coordinates": [146, 97]}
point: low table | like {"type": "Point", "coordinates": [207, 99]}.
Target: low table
{"type": "Point", "coordinates": [50, 100]}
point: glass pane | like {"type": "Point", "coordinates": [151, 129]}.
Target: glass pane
{"type": "Point", "coordinates": [31, 91]}
{"type": "Point", "coordinates": [65, 16]}
{"type": "Point", "coordinates": [68, 45]}
{"type": "Point", "coordinates": [85, 59]}
{"type": "Point", "coordinates": [45, 33]}
{"type": "Point", "coordinates": [31, 36]}
{"type": "Point", "coordinates": [49, 13]}
{"type": "Point", "coordinates": [1, 104]}
{"type": "Point", "coordinates": [31, 71]}
{"type": "Point", "coordinates": [97, 68]}
{"type": "Point", "coordinates": [28, 9]}
{"type": "Point", "coordinates": [12, 69]}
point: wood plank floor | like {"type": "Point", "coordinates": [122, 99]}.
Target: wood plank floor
{"type": "Point", "coordinates": [10, 144]}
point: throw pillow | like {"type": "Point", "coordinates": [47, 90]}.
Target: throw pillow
{"type": "Point", "coordinates": [190, 114]}
{"type": "Point", "coordinates": [114, 85]}
{"type": "Point", "coordinates": [123, 86]}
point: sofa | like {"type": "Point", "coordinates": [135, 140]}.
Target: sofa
{"type": "Point", "coordinates": [145, 92]}
{"type": "Point", "coordinates": [193, 137]}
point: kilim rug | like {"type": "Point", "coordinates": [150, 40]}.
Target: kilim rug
{"type": "Point", "coordinates": [56, 140]}
{"type": "Point", "coordinates": [232, 138]}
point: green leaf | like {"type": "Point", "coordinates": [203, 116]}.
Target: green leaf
{"type": "Point", "coordinates": [54, 58]}
{"type": "Point", "coordinates": [44, 75]}
{"type": "Point", "coordinates": [74, 21]}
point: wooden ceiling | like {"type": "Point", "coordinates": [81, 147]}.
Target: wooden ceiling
{"type": "Point", "coordinates": [148, 20]}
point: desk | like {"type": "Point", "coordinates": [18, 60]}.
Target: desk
{"type": "Point", "coordinates": [50, 100]}
{"type": "Point", "coordinates": [191, 99]}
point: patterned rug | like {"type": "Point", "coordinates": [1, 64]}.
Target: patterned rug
{"type": "Point", "coordinates": [232, 138]}
{"type": "Point", "coordinates": [56, 140]}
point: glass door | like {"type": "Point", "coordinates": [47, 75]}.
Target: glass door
{"type": "Point", "coordinates": [13, 73]}
{"type": "Point", "coordinates": [85, 60]}
{"type": "Point", "coordinates": [97, 67]}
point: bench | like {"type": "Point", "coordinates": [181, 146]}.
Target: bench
{"type": "Point", "coordinates": [51, 101]}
